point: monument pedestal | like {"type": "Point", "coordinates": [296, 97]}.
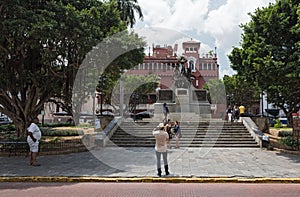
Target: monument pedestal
{"type": "Point", "coordinates": [201, 108]}
{"type": "Point", "coordinates": [182, 100]}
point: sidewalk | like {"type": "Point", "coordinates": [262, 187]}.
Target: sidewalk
{"type": "Point", "coordinates": [130, 164]}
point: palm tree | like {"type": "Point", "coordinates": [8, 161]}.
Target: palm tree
{"type": "Point", "coordinates": [127, 10]}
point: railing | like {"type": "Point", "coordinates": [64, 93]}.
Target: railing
{"type": "Point", "coordinates": [14, 148]}
{"type": "Point", "coordinates": [17, 148]}
{"type": "Point", "coordinates": [66, 146]}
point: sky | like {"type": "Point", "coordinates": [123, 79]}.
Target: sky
{"type": "Point", "coordinates": [215, 23]}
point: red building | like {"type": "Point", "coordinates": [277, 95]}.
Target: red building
{"type": "Point", "coordinates": [163, 60]}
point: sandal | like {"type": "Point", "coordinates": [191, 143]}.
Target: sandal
{"type": "Point", "coordinates": [36, 164]}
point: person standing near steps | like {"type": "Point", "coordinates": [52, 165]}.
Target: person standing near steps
{"type": "Point", "coordinates": [33, 136]}
{"type": "Point", "coordinates": [177, 132]}
{"type": "Point", "coordinates": [165, 112]}
{"type": "Point", "coordinates": [161, 138]}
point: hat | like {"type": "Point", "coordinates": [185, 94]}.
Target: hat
{"type": "Point", "coordinates": [161, 125]}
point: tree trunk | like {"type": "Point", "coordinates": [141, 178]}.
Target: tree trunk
{"type": "Point", "coordinates": [21, 129]}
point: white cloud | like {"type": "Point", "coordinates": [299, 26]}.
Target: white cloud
{"type": "Point", "coordinates": [181, 15]}
{"type": "Point", "coordinates": [215, 21]}
{"type": "Point", "coordinates": [223, 23]}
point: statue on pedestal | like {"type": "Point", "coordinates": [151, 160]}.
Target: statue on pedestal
{"type": "Point", "coordinates": [182, 75]}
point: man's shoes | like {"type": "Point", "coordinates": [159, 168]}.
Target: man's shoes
{"type": "Point", "coordinates": [36, 164]}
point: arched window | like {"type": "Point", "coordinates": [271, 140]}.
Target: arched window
{"type": "Point", "coordinates": [192, 65]}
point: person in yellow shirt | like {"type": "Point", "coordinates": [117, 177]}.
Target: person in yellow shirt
{"type": "Point", "coordinates": [242, 110]}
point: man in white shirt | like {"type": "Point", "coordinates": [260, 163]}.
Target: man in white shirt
{"type": "Point", "coordinates": [33, 136]}
{"type": "Point", "coordinates": [161, 138]}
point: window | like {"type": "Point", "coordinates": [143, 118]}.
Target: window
{"type": "Point", "coordinates": [192, 65]}
{"type": "Point", "coordinates": [200, 66]}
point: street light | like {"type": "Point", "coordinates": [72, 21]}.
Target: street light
{"type": "Point", "coordinates": [102, 79]}
{"type": "Point", "coordinates": [229, 97]}
{"type": "Point", "coordinates": [262, 103]}
{"type": "Point", "coordinates": [135, 98]}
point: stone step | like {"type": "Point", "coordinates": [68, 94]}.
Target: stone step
{"type": "Point", "coordinates": [190, 137]}
{"type": "Point", "coordinates": [196, 134]}
{"type": "Point", "coordinates": [215, 132]}
{"type": "Point", "coordinates": [196, 145]}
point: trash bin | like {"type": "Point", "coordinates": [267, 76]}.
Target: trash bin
{"type": "Point", "coordinates": [265, 141]}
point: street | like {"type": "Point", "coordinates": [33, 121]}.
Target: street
{"type": "Point", "coordinates": [24, 189]}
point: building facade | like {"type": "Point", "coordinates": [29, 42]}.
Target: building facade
{"type": "Point", "coordinates": [164, 60]}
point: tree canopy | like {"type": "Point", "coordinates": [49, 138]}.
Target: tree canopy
{"type": "Point", "coordinates": [127, 9]}
{"type": "Point", "coordinates": [42, 44]}
{"type": "Point", "coordinates": [270, 53]}
{"type": "Point", "coordinates": [239, 91]}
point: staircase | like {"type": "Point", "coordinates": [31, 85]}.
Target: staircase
{"type": "Point", "coordinates": [194, 134]}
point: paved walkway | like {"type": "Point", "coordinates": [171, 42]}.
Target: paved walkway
{"type": "Point", "coordinates": [141, 162]}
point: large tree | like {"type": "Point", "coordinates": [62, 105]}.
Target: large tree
{"type": "Point", "coordinates": [42, 44]}
{"type": "Point", "coordinates": [128, 9]}
{"type": "Point", "coordinates": [134, 85]}
{"type": "Point", "coordinates": [240, 91]}
{"type": "Point", "coordinates": [108, 60]}
{"type": "Point", "coordinates": [270, 53]}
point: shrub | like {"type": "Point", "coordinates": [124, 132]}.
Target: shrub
{"type": "Point", "coordinates": [13, 138]}
{"type": "Point", "coordinates": [285, 133]}
{"type": "Point", "coordinates": [277, 123]}
{"type": "Point", "coordinates": [290, 141]}
{"type": "Point", "coordinates": [62, 124]}
{"type": "Point", "coordinates": [54, 140]}
{"type": "Point", "coordinates": [7, 128]}
{"type": "Point", "coordinates": [65, 132]}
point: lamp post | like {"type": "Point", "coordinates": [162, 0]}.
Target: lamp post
{"type": "Point", "coordinates": [229, 99]}
{"type": "Point", "coordinates": [262, 103]}
{"type": "Point", "coordinates": [122, 95]}
{"type": "Point", "coordinates": [102, 79]}
{"type": "Point", "coordinates": [135, 97]}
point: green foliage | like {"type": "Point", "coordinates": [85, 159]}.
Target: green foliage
{"type": "Point", "coordinates": [125, 50]}
{"type": "Point", "coordinates": [285, 133]}
{"type": "Point", "coordinates": [64, 132]}
{"type": "Point", "coordinates": [42, 45]}
{"type": "Point", "coordinates": [7, 128]}
{"type": "Point", "coordinates": [269, 54]}
{"type": "Point", "coordinates": [291, 142]}
{"type": "Point", "coordinates": [216, 91]}
{"type": "Point", "coordinates": [240, 90]}
{"type": "Point", "coordinates": [127, 9]}
{"type": "Point", "coordinates": [277, 123]}
{"type": "Point", "coordinates": [12, 137]}
{"type": "Point", "coordinates": [62, 124]}
{"type": "Point", "coordinates": [54, 140]}
{"type": "Point", "coordinates": [141, 85]}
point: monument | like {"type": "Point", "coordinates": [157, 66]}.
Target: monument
{"type": "Point", "coordinates": [182, 96]}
